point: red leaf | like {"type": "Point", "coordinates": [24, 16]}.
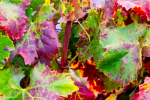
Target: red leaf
{"type": "Point", "coordinates": [45, 46]}
{"type": "Point", "coordinates": [27, 49]}
{"type": "Point", "coordinates": [97, 80]}
{"type": "Point", "coordinates": [41, 39]}
{"type": "Point", "coordinates": [146, 9]}
{"type": "Point", "coordinates": [82, 94]}
{"type": "Point", "coordinates": [144, 90]}
{"type": "Point", "coordinates": [126, 4]}
{"type": "Point", "coordinates": [48, 42]}
{"type": "Point", "coordinates": [13, 21]}
{"type": "Point", "coordinates": [140, 8]}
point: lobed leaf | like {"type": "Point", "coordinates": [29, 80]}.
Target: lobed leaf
{"type": "Point", "coordinates": [13, 21]}
{"type": "Point", "coordinates": [140, 7]}
{"type": "Point", "coordinates": [42, 38]}
{"type": "Point", "coordinates": [86, 48]}
{"type": "Point", "coordinates": [48, 43]}
{"type": "Point", "coordinates": [122, 56]}
{"type": "Point", "coordinates": [10, 79]}
{"type": "Point", "coordinates": [44, 84]}
{"type": "Point", "coordinates": [6, 45]}
{"type": "Point", "coordinates": [51, 83]}
{"type": "Point", "coordinates": [26, 47]}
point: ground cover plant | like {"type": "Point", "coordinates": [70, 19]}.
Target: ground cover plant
{"type": "Point", "coordinates": [101, 52]}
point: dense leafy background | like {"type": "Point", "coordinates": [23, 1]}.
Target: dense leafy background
{"type": "Point", "coordinates": [101, 51]}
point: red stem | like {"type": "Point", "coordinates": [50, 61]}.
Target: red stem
{"type": "Point", "coordinates": [66, 45]}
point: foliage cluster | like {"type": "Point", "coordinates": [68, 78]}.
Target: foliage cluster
{"type": "Point", "coordinates": [102, 51]}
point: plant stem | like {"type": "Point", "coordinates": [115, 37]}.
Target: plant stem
{"type": "Point", "coordinates": [72, 60]}
{"type": "Point", "coordinates": [83, 29]}
{"type": "Point", "coordinates": [133, 92]}
{"type": "Point", "coordinates": [142, 72]}
{"type": "Point", "coordinates": [66, 44]}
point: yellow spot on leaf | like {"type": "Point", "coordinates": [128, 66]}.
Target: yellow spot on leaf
{"type": "Point", "coordinates": [47, 2]}
{"type": "Point", "coordinates": [95, 82]}
{"type": "Point", "coordinates": [1, 67]}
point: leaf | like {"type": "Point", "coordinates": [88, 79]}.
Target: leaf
{"type": "Point", "coordinates": [146, 63]}
{"type": "Point", "coordinates": [86, 4]}
{"type": "Point", "coordinates": [47, 12]}
{"type": "Point", "coordinates": [46, 37]}
{"type": "Point", "coordinates": [146, 8]}
{"type": "Point", "coordinates": [141, 8]}
{"type": "Point", "coordinates": [10, 82]}
{"type": "Point", "coordinates": [26, 47]}
{"type": "Point", "coordinates": [146, 44]}
{"type": "Point", "coordinates": [97, 80]}
{"type": "Point", "coordinates": [73, 10]}
{"type": "Point", "coordinates": [126, 4]}
{"type": "Point", "coordinates": [47, 2]}
{"type": "Point", "coordinates": [107, 11]}
{"type": "Point", "coordinates": [48, 43]}
{"type": "Point", "coordinates": [145, 51]}
{"type": "Point", "coordinates": [144, 91]}
{"type": "Point", "coordinates": [4, 78]}
{"type": "Point", "coordinates": [44, 84]}
{"type": "Point", "coordinates": [36, 3]}
{"type": "Point", "coordinates": [41, 39]}
{"type": "Point", "coordinates": [6, 45]}
{"type": "Point", "coordinates": [86, 48]}
{"type": "Point", "coordinates": [53, 83]}
{"type": "Point", "coordinates": [18, 61]}
{"type": "Point", "coordinates": [14, 24]}
{"type": "Point", "coordinates": [22, 3]}
{"type": "Point", "coordinates": [78, 12]}
{"type": "Point", "coordinates": [122, 56]}
{"type": "Point", "coordinates": [67, 11]}
{"type": "Point", "coordinates": [82, 94]}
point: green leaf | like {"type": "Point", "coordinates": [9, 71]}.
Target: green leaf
{"type": "Point", "coordinates": [63, 85]}
{"type": "Point", "coordinates": [10, 79]}
{"type": "Point", "coordinates": [86, 48]}
{"type": "Point", "coordinates": [122, 56]}
{"type": "Point", "coordinates": [47, 12]}
{"type": "Point", "coordinates": [44, 84]}
{"type": "Point", "coordinates": [145, 43]}
{"type": "Point", "coordinates": [13, 1]}
{"type": "Point", "coordinates": [18, 61]}
{"type": "Point", "coordinates": [82, 94]}
{"type": "Point", "coordinates": [120, 20]}
{"type": "Point", "coordinates": [6, 45]}
{"type": "Point", "coordinates": [4, 75]}
{"type": "Point", "coordinates": [17, 2]}
{"type": "Point", "coordinates": [51, 83]}
{"type": "Point", "coordinates": [29, 12]}
{"type": "Point", "coordinates": [36, 3]}
{"type": "Point", "coordinates": [146, 40]}
{"type": "Point", "coordinates": [54, 65]}
{"type": "Point", "coordinates": [67, 11]}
